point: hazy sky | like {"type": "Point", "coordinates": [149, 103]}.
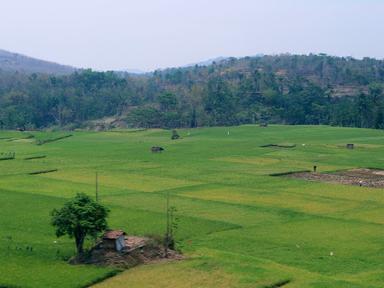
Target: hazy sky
{"type": "Point", "coordinates": [150, 34]}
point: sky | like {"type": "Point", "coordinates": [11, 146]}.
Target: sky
{"type": "Point", "coordinates": [153, 34]}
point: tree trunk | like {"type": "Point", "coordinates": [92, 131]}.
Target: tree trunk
{"type": "Point", "coordinates": [79, 244]}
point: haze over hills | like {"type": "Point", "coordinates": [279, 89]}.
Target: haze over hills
{"type": "Point", "coordinates": [11, 62]}
{"type": "Point", "coordinates": [17, 62]}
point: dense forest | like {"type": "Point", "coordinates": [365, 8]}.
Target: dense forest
{"type": "Point", "coordinates": [290, 89]}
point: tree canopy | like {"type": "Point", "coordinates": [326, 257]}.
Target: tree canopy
{"type": "Point", "coordinates": [79, 218]}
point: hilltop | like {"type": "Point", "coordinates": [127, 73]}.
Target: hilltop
{"type": "Point", "coordinates": [17, 62]}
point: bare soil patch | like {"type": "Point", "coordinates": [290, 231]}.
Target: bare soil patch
{"type": "Point", "coordinates": [360, 177]}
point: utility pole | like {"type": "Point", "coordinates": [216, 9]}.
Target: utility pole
{"type": "Point", "coordinates": [97, 187]}
{"type": "Point", "coordinates": [168, 227]}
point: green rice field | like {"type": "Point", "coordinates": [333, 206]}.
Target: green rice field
{"type": "Point", "coordinates": [237, 227]}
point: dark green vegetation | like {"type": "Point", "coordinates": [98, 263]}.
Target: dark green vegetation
{"type": "Point", "coordinates": [313, 89]}
{"type": "Point", "coordinates": [80, 218]}
{"type": "Point", "coordinates": [7, 156]}
{"type": "Point", "coordinates": [238, 226]}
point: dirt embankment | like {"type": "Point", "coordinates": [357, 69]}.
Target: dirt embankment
{"type": "Point", "coordinates": [143, 251]}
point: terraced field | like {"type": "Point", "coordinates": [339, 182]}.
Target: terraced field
{"type": "Point", "coordinates": [238, 226]}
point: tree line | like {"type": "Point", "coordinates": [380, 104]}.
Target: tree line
{"type": "Point", "coordinates": [289, 89]}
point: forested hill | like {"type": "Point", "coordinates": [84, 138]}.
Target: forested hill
{"type": "Point", "coordinates": [291, 89]}
{"type": "Point", "coordinates": [15, 62]}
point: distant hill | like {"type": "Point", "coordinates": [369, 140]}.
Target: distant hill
{"type": "Point", "coordinates": [216, 60]}
{"type": "Point", "coordinates": [17, 62]}
{"type": "Point", "coordinates": [206, 62]}
{"type": "Point", "coordinates": [290, 89]}
{"type": "Point", "coordinates": [135, 71]}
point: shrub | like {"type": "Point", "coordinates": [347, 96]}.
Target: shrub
{"type": "Point", "coordinates": [7, 156]}
{"type": "Point", "coordinates": [175, 135]}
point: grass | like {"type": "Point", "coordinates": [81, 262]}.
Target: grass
{"type": "Point", "coordinates": [173, 275]}
{"type": "Point", "coordinates": [238, 226]}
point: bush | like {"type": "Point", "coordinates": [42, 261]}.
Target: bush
{"type": "Point", "coordinates": [175, 135]}
{"type": "Point", "coordinates": [42, 171]}
{"type": "Point", "coordinates": [35, 157]}
{"type": "Point", "coordinates": [41, 142]}
{"type": "Point", "coordinates": [7, 156]}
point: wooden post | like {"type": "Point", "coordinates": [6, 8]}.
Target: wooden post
{"type": "Point", "coordinates": [168, 227]}
{"type": "Point", "coordinates": [97, 187]}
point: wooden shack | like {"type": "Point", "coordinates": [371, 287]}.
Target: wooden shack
{"type": "Point", "coordinates": [157, 149]}
{"type": "Point", "coordinates": [114, 240]}
{"type": "Point", "coordinates": [350, 146]}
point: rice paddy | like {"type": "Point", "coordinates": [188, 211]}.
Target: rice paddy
{"type": "Point", "coordinates": [238, 226]}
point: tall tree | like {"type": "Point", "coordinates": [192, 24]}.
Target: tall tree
{"type": "Point", "coordinates": [79, 218]}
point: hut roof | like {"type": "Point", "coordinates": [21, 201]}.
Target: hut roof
{"type": "Point", "coordinates": [113, 234]}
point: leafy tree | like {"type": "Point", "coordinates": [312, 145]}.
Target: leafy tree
{"type": "Point", "coordinates": [193, 121]}
{"type": "Point", "coordinates": [145, 117]}
{"type": "Point", "coordinates": [170, 120]}
{"type": "Point", "coordinates": [175, 135]}
{"type": "Point", "coordinates": [167, 102]}
{"type": "Point", "coordinates": [79, 218]}
{"type": "Point", "coordinates": [220, 103]}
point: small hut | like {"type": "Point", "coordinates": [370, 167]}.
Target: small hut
{"type": "Point", "coordinates": [157, 149]}
{"type": "Point", "coordinates": [350, 146]}
{"type": "Point", "coordinates": [114, 240]}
